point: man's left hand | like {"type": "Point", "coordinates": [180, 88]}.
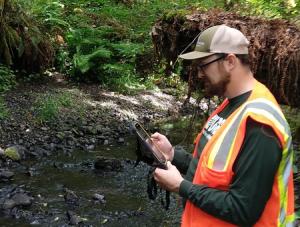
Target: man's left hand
{"type": "Point", "coordinates": [169, 179]}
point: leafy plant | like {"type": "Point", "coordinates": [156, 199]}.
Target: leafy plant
{"type": "Point", "coordinates": [7, 78]}
{"type": "Point", "coordinates": [96, 58]}
{"type": "Point", "coordinates": [270, 9]}
{"type": "Point", "coordinates": [21, 42]}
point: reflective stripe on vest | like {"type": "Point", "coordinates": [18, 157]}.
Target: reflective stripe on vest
{"type": "Point", "coordinates": [284, 171]}
{"type": "Point", "coordinates": [290, 221]}
{"type": "Point", "coordinates": [221, 153]}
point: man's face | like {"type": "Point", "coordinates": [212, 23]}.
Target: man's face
{"type": "Point", "coordinates": [213, 73]}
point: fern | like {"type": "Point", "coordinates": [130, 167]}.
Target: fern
{"type": "Point", "coordinates": [85, 62]}
{"type": "Point", "coordinates": [127, 49]}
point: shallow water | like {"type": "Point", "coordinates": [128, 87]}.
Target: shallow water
{"type": "Point", "coordinates": [126, 204]}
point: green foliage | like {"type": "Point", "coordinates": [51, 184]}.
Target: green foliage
{"type": "Point", "coordinates": [298, 214]}
{"type": "Point", "coordinates": [3, 109]}
{"type": "Point", "coordinates": [271, 9]}
{"type": "Point", "coordinates": [49, 13]}
{"type": "Point", "coordinates": [84, 63]}
{"type": "Point", "coordinates": [21, 42]}
{"type": "Point", "coordinates": [103, 38]}
{"type": "Point", "coordinates": [7, 78]}
{"type": "Point", "coordinates": [157, 79]}
{"type": "Point", "coordinates": [96, 58]}
{"type": "Point", "coordinates": [48, 107]}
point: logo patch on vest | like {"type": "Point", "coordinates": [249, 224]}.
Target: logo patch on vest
{"type": "Point", "coordinates": [212, 126]}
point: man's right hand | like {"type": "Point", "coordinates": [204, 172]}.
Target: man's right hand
{"type": "Point", "coordinates": [164, 145]}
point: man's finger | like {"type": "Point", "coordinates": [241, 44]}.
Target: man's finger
{"type": "Point", "coordinates": [156, 135]}
{"type": "Point", "coordinates": [169, 164]}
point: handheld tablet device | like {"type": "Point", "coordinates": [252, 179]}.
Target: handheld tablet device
{"type": "Point", "coordinates": [155, 155]}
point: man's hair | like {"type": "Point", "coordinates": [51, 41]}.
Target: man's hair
{"type": "Point", "coordinates": [244, 58]}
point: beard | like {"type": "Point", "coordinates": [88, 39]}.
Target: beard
{"type": "Point", "coordinates": [216, 88]}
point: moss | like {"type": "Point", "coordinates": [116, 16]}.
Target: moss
{"type": "Point", "coordinates": [179, 15]}
{"type": "Point", "coordinates": [12, 153]}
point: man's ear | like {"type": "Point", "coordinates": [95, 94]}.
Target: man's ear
{"type": "Point", "coordinates": [231, 62]}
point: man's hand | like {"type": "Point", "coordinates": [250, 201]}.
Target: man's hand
{"type": "Point", "coordinates": [164, 145]}
{"type": "Point", "coordinates": [169, 179]}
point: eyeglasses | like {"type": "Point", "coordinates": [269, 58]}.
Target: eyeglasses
{"type": "Point", "coordinates": [203, 66]}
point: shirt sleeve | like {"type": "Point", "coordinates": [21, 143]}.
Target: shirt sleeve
{"type": "Point", "coordinates": [251, 187]}
{"type": "Point", "coordinates": [181, 159]}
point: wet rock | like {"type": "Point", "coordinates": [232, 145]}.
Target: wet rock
{"type": "Point", "coordinates": [111, 164]}
{"type": "Point", "coordinates": [99, 128]}
{"type": "Point", "coordinates": [73, 218]}
{"type": "Point", "coordinates": [100, 198]}
{"type": "Point", "coordinates": [51, 146]}
{"type": "Point", "coordinates": [22, 199]}
{"type": "Point", "coordinates": [121, 140]}
{"type": "Point", "coordinates": [90, 147]}
{"type": "Point", "coordinates": [60, 135]}
{"type": "Point", "coordinates": [101, 137]}
{"type": "Point", "coordinates": [92, 140]}
{"type": "Point", "coordinates": [6, 175]}
{"type": "Point", "coordinates": [35, 222]}
{"type": "Point", "coordinates": [8, 204]}
{"type": "Point", "coordinates": [39, 152]}
{"type": "Point", "coordinates": [92, 130]}
{"type": "Point", "coordinates": [70, 197]}
{"type": "Point", "coordinates": [44, 128]}
{"type": "Point", "coordinates": [15, 153]}
{"type": "Point", "coordinates": [31, 172]}
{"type": "Point", "coordinates": [105, 142]}
{"type": "Point", "coordinates": [70, 142]}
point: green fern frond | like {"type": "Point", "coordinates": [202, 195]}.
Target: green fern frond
{"type": "Point", "coordinates": [57, 21]}
{"type": "Point", "coordinates": [127, 49]}
{"type": "Point", "coordinates": [85, 62]}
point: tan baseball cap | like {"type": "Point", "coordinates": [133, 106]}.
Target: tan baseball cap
{"type": "Point", "coordinates": [218, 39]}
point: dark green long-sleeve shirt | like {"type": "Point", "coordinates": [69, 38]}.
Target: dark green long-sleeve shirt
{"type": "Point", "coordinates": [254, 168]}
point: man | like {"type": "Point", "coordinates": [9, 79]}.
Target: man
{"type": "Point", "coordinates": [240, 173]}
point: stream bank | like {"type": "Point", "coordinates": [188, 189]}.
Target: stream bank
{"type": "Point", "coordinates": [78, 169]}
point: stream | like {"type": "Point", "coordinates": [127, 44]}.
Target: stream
{"type": "Point", "coordinates": [63, 186]}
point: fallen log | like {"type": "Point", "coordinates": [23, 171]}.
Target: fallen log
{"type": "Point", "coordinates": [274, 50]}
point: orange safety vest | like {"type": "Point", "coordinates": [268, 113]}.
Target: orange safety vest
{"type": "Point", "coordinates": [218, 156]}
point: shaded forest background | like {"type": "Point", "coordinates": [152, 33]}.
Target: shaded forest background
{"type": "Point", "coordinates": [103, 41]}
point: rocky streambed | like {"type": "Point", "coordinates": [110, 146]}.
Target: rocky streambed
{"type": "Point", "coordinates": [87, 188]}
{"type": "Point", "coordinates": [78, 169]}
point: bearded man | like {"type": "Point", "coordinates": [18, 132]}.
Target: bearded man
{"type": "Point", "coordinates": [240, 172]}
